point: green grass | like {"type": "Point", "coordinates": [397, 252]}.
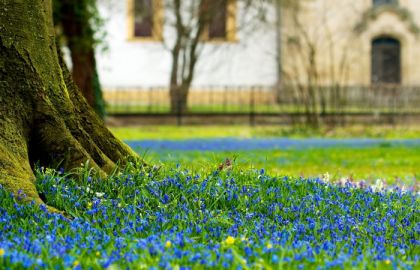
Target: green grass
{"type": "Point", "coordinates": [385, 162]}
{"type": "Point", "coordinates": [199, 216]}
{"type": "Point", "coordinates": [246, 108]}
{"type": "Point", "coordinates": [188, 132]}
{"type": "Point", "coordinates": [390, 163]}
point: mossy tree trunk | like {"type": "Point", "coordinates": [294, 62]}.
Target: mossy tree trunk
{"type": "Point", "coordinates": [43, 116]}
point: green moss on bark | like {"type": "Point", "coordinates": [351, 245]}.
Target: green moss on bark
{"type": "Point", "coordinates": [43, 116]}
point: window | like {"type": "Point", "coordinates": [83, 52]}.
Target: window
{"type": "Point", "coordinates": [386, 60]}
{"type": "Point", "coordinates": [384, 2]}
{"type": "Point", "coordinates": [145, 20]}
{"type": "Point", "coordinates": [221, 20]}
{"type": "Point", "coordinates": [217, 22]}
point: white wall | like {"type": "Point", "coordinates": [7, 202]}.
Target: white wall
{"type": "Point", "coordinates": [137, 64]}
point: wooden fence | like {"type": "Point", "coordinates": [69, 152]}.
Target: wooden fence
{"type": "Point", "coordinates": [260, 100]}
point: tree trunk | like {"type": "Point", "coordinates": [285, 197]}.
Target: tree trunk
{"type": "Point", "coordinates": [84, 74]}
{"type": "Point", "coordinates": [76, 25]}
{"type": "Point", "coordinates": [179, 98]}
{"type": "Point", "coordinates": [43, 116]}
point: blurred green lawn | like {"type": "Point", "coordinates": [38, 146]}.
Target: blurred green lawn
{"type": "Point", "coordinates": [245, 131]}
{"type": "Point", "coordinates": [388, 162]}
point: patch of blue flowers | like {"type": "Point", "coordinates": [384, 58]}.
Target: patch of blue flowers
{"type": "Point", "coordinates": [234, 144]}
{"type": "Point", "coordinates": [174, 218]}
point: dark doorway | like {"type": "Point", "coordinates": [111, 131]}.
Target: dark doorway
{"type": "Point", "coordinates": [386, 61]}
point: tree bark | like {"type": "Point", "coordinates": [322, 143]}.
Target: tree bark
{"type": "Point", "coordinates": [184, 52]}
{"type": "Point", "coordinates": [84, 74]}
{"type": "Point", "coordinates": [75, 22]}
{"type": "Point", "coordinates": [43, 116]}
{"type": "Point", "coordinates": [179, 98]}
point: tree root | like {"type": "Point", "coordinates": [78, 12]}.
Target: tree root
{"type": "Point", "coordinates": [43, 116]}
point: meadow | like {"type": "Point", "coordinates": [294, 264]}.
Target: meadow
{"type": "Point", "coordinates": [201, 206]}
{"type": "Point", "coordinates": [366, 160]}
{"type": "Point", "coordinates": [174, 218]}
{"type": "Point", "coordinates": [167, 132]}
{"type": "Point", "coordinates": [378, 162]}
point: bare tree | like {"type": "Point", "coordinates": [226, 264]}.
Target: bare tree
{"type": "Point", "coordinates": [194, 23]}
{"type": "Point", "coordinates": [185, 50]}
{"type": "Point", "coordinates": [318, 72]}
{"type": "Point", "coordinates": [188, 27]}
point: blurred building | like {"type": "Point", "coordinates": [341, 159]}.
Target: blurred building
{"type": "Point", "coordinates": [232, 52]}
{"type": "Point", "coordinates": [351, 42]}
{"type": "Point", "coordinates": [332, 43]}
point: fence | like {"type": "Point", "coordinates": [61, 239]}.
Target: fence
{"type": "Point", "coordinates": [204, 100]}
{"type": "Point", "coordinates": [268, 100]}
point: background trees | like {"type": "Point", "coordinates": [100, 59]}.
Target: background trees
{"type": "Point", "coordinates": [186, 29]}
{"type": "Point", "coordinates": [193, 23]}
{"type": "Point", "coordinates": [315, 71]}
{"type": "Point", "coordinates": [79, 28]}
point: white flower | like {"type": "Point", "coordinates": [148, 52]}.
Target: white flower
{"type": "Point", "coordinates": [99, 194]}
{"type": "Point", "coordinates": [326, 177]}
{"type": "Point", "coordinates": [378, 186]}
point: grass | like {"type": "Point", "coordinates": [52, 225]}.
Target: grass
{"type": "Point", "coordinates": [392, 164]}
{"type": "Point", "coordinates": [197, 211]}
{"type": "Point", "coordinates": [245, 107]}
{"type": "Point", "coordinates": [389, 162]}
{"type": "Point", "coordinates": [189, 132]}
{"type": "Point", "coordinates": [175, 218]}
